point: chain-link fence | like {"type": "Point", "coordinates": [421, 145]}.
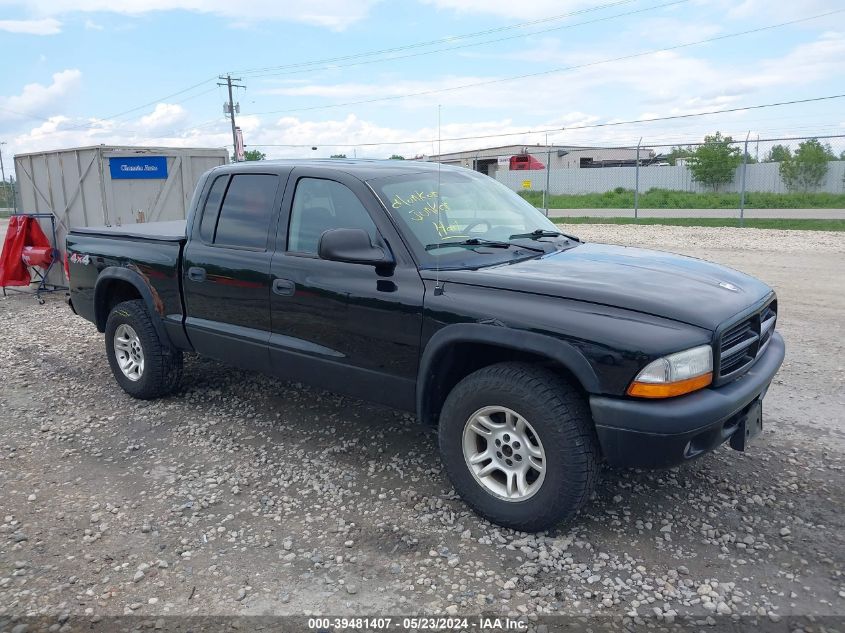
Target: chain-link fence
{"type": "Point", "coordinates": [8, 198]}
{"type": "Point", "coordinates": [720, 177]}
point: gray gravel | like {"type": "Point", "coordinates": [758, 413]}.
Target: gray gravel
{"type": "Point", "coordinates": [246, 495]}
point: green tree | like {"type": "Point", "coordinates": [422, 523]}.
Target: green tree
{"type": "Point", "coordinates": [778, 154]}
{"type": "Point", "coordinates": [254, 154]}
{"type": "Point", "coordinates": [338, 156]}
{"type": "Point", "coordinates": [678, 152]}
{"type": "Point", "coordinates": [808, 167]}
{"type": "Point", "coordinates": [7, 190]}
{"type": "Point", "coordinates": [397, 157]}
{"type": "Point", "coordinates": [842, 155]}
{"type": "Point", "coordinates": [714, 163]}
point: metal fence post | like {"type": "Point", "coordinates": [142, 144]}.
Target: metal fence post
{"type": "Point", "coordinates": [546, 193]}
{"type": "Point", "coordinates": [742, 179]}
{"type": "Point", "coordinates": [637, 182]}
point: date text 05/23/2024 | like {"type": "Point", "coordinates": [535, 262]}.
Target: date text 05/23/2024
{"type": "Point", "coordinates": [457, 623]}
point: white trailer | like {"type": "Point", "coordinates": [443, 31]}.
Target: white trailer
{"type": "Point", "coordinates": [110, 185]}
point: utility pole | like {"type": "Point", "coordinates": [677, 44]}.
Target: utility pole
{"type": "Point", "coordinates": [230, 109]}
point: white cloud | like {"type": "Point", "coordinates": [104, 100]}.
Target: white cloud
{"type": "Point", "coordinates": [780, 11]}
{"type": "Point", "coordinates": [674, 82]}
{"type": "Point", "coordinates": [387, 88]}
{"type": "Point", "coordinates": [354, 136]}
{"type": "Point", "coordinates": [764, 10]}
{"type": "Point", "coordinates": [669, 31]}
{"type": "Point", "coordinates": [804, 64]}
{"type": "Point", "coordinates": [509, 9]}
{"type": "Point", "coordinates": [37, 99]}
{"type": "Point", "coordinates": [332, 14]}
{"type": "Point", "coordinates": [165, 116]}
{"type": "Point", "coordinates": [46, 26]}
{"type": "Point", "coordinates": [90, 25]}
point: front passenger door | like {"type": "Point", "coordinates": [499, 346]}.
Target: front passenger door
{"type": "Point", "coordinates": [350, 328]}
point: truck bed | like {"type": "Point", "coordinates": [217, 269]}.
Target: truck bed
{"type": "Point", "coordinates": [173, 231]}
{"type": "Point", "coordinates": [146, 257]}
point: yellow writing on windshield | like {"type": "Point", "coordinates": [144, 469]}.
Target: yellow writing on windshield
{"type": "Point", "coordinates": [418, 196]}
{"type": "Point", "coordinates": [447, 231]}
{"type": "Point", "coordinates": [427, 200]}
{"type": "Point", "coordinates": [428, 210]}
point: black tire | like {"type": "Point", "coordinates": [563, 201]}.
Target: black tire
{"type": "Point", "coordinates": [561, 419]}
{"type": "Point", "coordinates": [162, 362]}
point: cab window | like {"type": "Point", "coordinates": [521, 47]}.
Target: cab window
{"type": "Point", "coordinates": [211, 209]}
{"type": "Point", "coordinates": [245, 214]}
{"type": "Point", "coordinates": [320, 205]}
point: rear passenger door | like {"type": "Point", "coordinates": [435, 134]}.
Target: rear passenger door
{"type": "Point", "coordinates": [226, 268]}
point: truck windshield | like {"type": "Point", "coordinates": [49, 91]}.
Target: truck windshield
{"type": "Point", "coordinates": [434, 210]}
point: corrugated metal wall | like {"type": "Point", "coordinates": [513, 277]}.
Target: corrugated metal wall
{"type": "Point", "coordinates": [76, 185]}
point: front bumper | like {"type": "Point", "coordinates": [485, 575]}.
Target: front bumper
{"type": "Point", "coordinates": [662, 433]}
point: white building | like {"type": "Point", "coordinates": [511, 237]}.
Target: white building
{"type": "Point", "coordinates": [493, 159]}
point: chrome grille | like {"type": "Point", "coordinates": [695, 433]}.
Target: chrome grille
{"type": "Point", "coordinates": [768, 318]}
{"type": "Point", "coordinates": [743, 342]}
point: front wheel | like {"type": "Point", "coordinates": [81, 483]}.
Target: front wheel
{"type": "Point", "coordinates": [143, 365]}
{"type": "Point", "coordinates": [518, 444]}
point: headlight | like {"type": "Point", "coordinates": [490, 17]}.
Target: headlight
{"type": "Point", "coordinates": [675, 375]}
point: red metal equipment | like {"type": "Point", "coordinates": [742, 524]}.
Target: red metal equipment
{"type": "Point", "coordinates": [27, 252]}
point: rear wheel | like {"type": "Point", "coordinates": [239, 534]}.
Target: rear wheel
{"type": "Point", "coordinates": [144, 366]}
{"type": "Point", "coordinates": [519, 446]}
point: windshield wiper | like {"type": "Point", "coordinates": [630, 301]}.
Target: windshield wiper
{"type": "Point", "coordinates": [475, 242]}
{"type": "Point", "coordinates": [537, 234]}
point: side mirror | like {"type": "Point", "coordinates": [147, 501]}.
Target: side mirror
{"type": "Point", "coordinates": [352, 246]}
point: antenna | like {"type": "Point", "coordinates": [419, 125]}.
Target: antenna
{"type": "Point", "coordinates": [438, 289]}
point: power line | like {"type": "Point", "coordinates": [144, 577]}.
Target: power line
{"type": "Point", "coordinates": [557, 70]}
{"type": "Point", "coordinates": [445, 40]}
{"type": "Point", "coordinates": [87, 127]}
{"type": "Point", "coordinates": [370, 54]}
{"type": "Point", "coordinates": [569, 128]}
{"type": "Point", "coordinates": [159, 100]}
{"type": "Point", "coordinates": [481, 43]}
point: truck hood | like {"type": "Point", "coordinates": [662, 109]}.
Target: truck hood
{"type": "Point", "coordinates": [663, 284]}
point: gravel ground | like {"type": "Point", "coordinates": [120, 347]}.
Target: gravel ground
{"type": "Point", "coordinates": [245, 495]}
{"type": "Point", "coordinates": [791, 214]}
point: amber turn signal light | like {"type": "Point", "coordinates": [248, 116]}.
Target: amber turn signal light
{"type": "Point", "coordinates": [670, 389]}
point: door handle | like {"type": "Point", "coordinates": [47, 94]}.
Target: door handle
{"type": "Point", "coordinates": [284, 287]}
{"type": "Point", "coordinates": [195, 273]}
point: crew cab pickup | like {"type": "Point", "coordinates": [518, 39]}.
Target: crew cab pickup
{"type": "Point", "coordinates": [437, 290]}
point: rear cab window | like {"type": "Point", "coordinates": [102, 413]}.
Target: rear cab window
{"type": "Point", "coordinates": [243, 218]}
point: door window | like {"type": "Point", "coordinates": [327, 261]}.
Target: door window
{"type": "Point", "coordinates": [320, 205]}
{"type": "Point", "coordinates": [246, 211]}
{"type": "Point", "coordinates": [212, 207]}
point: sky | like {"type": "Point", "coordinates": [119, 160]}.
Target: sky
{"type": "Point", "coordinates": [361, 77]}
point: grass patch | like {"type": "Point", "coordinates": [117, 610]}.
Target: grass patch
{"type": "Point", "coordinates": [751, 223]}
{"type": "Point", "coordinates": [621, 198]}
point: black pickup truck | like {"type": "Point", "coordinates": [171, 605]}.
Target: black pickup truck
{"type": "Point", "coordinates": [437, 290]}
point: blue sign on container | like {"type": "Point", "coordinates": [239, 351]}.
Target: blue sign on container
{"type": "Point", "coordinates": [147, 167]}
